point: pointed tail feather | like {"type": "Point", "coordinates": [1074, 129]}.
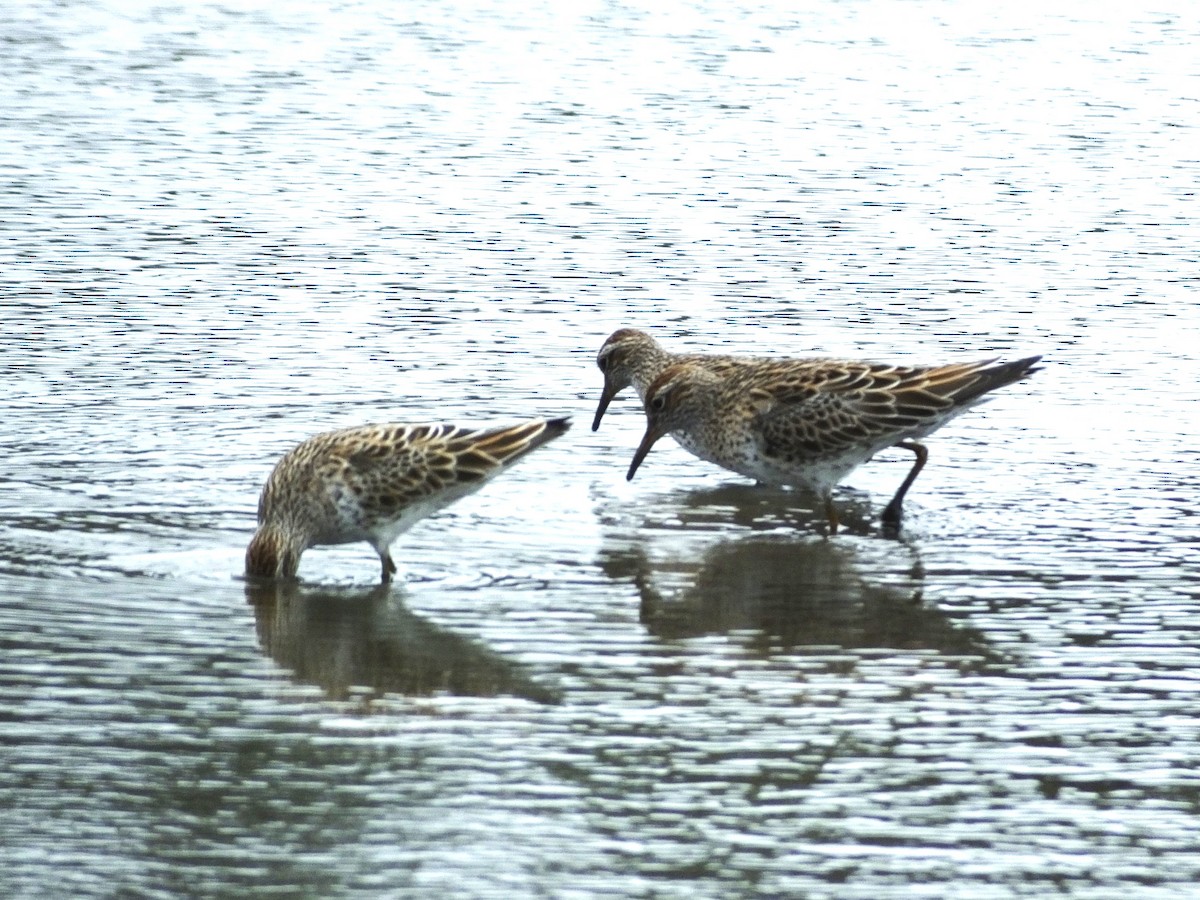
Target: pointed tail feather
{"type": "Point", "coordinates": [965, 384]}
{"type": "Point", "coordinates": [505, 445]}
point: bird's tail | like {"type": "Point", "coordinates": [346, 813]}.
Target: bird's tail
{"type": "Point", "coordinates": [965, 384]}
{"type": "Point", "coordinates": [484, 452]}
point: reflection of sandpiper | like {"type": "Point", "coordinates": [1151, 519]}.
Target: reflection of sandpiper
{"type": "Point", "coordinates": [793, 593]}
{"type": "Point", "coordinates": [374, 482]}
{"type": "Point", "coordinates": [341, 639]}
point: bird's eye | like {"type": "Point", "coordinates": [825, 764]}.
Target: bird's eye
{"type": "Point", "coordinates": [602, 362]}
{"type": "Point", "coordinates": [658, 403]}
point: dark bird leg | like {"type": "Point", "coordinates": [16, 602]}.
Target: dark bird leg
{"type": "Point", "coordinates": [893, 513]}
{"type": "Point", "coordinates": [389, 567]}
{"type": "Point", "coordinates": [831, 513]}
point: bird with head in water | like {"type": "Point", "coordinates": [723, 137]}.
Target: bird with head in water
{"type": "Point", "coordinates": [373, 482]}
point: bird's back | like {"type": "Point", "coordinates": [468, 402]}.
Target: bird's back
{"type": "Point", "coordinates": [347, 485]}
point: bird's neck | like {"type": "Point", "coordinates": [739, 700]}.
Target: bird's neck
{"type": "Point", "coordinates": [649, 365]}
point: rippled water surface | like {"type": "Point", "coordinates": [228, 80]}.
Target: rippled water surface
{"type": "Point", "coordinates": [227, 227]}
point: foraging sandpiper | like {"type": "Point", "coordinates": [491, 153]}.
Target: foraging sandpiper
{"type": "Point", "coordinates": [811, 422]}
{"type": "Point", "coordinates": [373, 482]}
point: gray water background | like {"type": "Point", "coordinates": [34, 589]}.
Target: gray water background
{"type": "Point", "coordinates": [226, 227]}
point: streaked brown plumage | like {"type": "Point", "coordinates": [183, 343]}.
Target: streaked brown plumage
{"type": "Point", "coordinates": [811, 422]}
{"type": "Point", "coordinates": [373, 482]}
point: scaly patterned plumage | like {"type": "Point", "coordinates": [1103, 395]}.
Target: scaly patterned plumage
{"type": "Point", "coordinates": [811, 422]}
{"type": "Point", "coordinates": [373, 482]}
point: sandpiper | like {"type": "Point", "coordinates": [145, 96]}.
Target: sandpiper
{"type": "Point", "coordinates": [811, 422]}
{"type": "Point", "coordinates": [373, 482]}
{"type": "Point", "coordinates": [632, 357]}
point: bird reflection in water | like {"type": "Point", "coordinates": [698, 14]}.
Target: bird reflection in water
{"type": "Point", "coordinates": [360, 643]}
{"type": "Point", "coordinates": [789, 591]}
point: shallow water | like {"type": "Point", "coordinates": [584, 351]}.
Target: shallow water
{"type": "Point", "coordinates": [228, 228]}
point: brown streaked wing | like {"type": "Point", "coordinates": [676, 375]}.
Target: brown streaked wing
{"type": "Point", "coordinates": [965, 383]}
{"type": "Point", "coordinates": [474, 465]}
{"type": "Point", "coordinates": [503, 444]}
{"type": "Point", "coordinates": [950, 383]}
{"type": "Point", "coordinates": [390, 466]}
{"type": "Point", "coordinates": [481, 453]}
{"type": "Point", "coordinates": [836, 406]}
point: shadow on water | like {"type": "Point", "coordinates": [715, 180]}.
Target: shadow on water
{"type": "Point", "coordinates": [793, 590]}
{"type": "Point", "coordinates": [342, 639]}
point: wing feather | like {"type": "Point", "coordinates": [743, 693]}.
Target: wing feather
{"type": "Point", "coordinates": [832, 407]}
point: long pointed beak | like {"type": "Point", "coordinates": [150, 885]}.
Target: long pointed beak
{"type": "Point", "coordinates": [606, 397]}
{"type": "Point", "coordinates": [651, 437]}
